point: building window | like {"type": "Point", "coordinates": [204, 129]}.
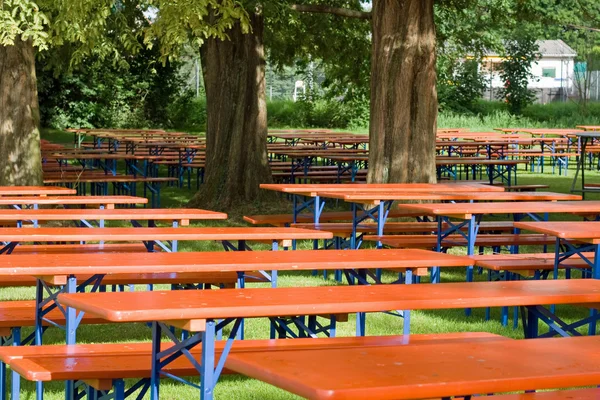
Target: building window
{"type": "Point", "coordinates": [549, 72]}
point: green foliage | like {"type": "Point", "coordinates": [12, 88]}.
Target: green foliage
{"type": "Point", "coordinates": [106, 95]}
{"type": "Point", "coordinates": [518, 56]}
{"type": "Point", "coordinates": [322, 113]}
{"type": "Point", "coordinates": [460, 86]}
{"type": "Point", "coordinates": [188, 112]}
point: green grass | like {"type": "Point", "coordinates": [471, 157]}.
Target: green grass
{"type": "Point", "coordinates": [235, 387]}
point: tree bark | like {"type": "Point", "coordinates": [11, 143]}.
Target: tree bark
{"type": "Point", "coordinates": [20, 156]}
{"type": "Point", "coordinates": [236, 131]}
{"type": "Point", "coordinates": [403, 95]}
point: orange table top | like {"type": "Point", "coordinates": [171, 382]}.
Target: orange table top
{"type": "Point", "coordinates": [582, 231]}
{"type": "Point", "coordinates": [121, 214]}
{"type": "Point", "coordinates": [312, 189]}
{"type": "Point", "coordinates": [34, 190]}
{"type": "Point", "coordinates": [462, 161]}
{"type": "Point", "coordinates": [109, 201]}
{"type": "Point", "coordinates": [424, 371]}
{"type": "Point", "coordinates": [465, 210]}
{"type": "Point", "coordinates": [149, 234]}
{"type": "Point", "coordinates": [375, 197]}
{"type": "Point", "coordinates": [218, 261]}
{"type": "Point", "coordinates": [188, 305]}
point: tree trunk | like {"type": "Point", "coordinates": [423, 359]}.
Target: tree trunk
{"type": "Point", "coordinates": [403, 94]}
{"type": "Point", "coordinates": [236, 131]}
{"type": "Point", "coordinates": [20, 156]}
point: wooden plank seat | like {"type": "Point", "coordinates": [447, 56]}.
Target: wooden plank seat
{"type": "Point", "coordinates": [227, 279]}
{"type": "Point", "coordinates": [80, 249]}
{"type": "Point", "coordinates": [99, 364]}
{"type": "Point", "coordinates": [521, 188]}
{"type": "Point", "coordinates": [572, 394]}
{"type": "Point", "coordinates": [492, 240]}
{"type": "Point", "coordinates": [182, 215]}
{"type": "Point", "coordinates": [108, 179]}
{"type": "Point", "coordinates": [527, 264]}
{"type": "Point", "coordinates": [107, 201]}
{"type": "Point", "coordinates": [332, 216]}
{"type": "Point", "coordinates": [344, 228]}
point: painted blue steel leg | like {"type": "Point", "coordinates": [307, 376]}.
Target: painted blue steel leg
{"type": "Point", "coordinates": [595, 275]}
{"type": "Point", "coordinates": [71, 326]}
{"type": "Point", "coordinates": [155, 373]}
{"type": "Point", "coordinates": [15, 389]}
{"type": "Point", "coordinates": [406, 313]}
{"type": "Point", "coordinates": [207, 378]}
{"type": "Point", "coordinates": [471, 236]}
{"type": "Point", "coordinates": [119, 389]}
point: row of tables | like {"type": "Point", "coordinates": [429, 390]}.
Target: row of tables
{"type": "Point", "coordinates": [208, 312]}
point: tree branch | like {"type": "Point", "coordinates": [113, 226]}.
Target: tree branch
{"type": "Point", "coordinates": [322, 9]}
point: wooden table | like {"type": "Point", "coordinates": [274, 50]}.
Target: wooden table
{"type": "Point", "coordinates": [198, 311]}
{"type": "Point", "coordinates": [312, 201]}
{"type": "Point", "coordinates": [67, 269]}
{"type": "Point", "coordinates": [376, 204]}
{"type": "Point", "coordinates": [471, 214]}
{"type": "Point", "coordinates": [425, 371]}
{"type": "Point", "coordinates": [151, 236]}
{"type": "Point", "coordinates": [575, 237]}
{"type": "Point", "coordinates": [584, 139]}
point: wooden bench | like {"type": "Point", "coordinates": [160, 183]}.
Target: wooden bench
{"type": "Point", "coordinates": [528, 264]}
{"type": "Point", "coordinates": [344, 229]}
{"type": "Point", "coordinates": [430, 241]}
{"type": "Point", "coordinates": [287, 219]}
{"type": "Point", "coordinates": [524, 188]}
{"type": "Point", "coordinates": [573, 394]}
{"type": "Point", "coordinates": [99, 365]}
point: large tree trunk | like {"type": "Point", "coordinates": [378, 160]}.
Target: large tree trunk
{"type": "Point", "coordinates": [403, 95]}
{"type": "Point", "coordinates": [20, 157]}
{"type": "Point", "coordinates": [236, 131]}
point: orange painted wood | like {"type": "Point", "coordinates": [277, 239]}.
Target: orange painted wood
{"type": "Point", "coordinates": [398, 227]}
{"type": "Point", "coordinates": [312, 189]}
{"type": "Point", "coordinates": [112, 214]}
{"type": "Point", "coordinates": [588, 231]}
{"type": "Point", "coordinates": [465, 210]}
{"type": "Point", "coordinates": [502, 263]}
{"type": "Point", "coordinates": [139, 234]}
{"type": "Point", "coordinates": [22, 313]}
{"type": "Point", "coordinates": [132, 360]}
{"type": "Point", "coordinates": [79, 248]}
{"type": "Point", "coordinates": [212, 278]}
{"type": "Point", "coordinates": [72, 200]}
{"type": "Point", "coordinates": [423, 372]}
{"type": "Point", "coordinates": [428, 241]}
{"type": "Point", "coordinates": [242, 261]}
{"type": "Point", "coordinates": [573, 394]}
{"type": "Point", "coordinates": [358, 196]}
{"type": "Point", "coordinates": [267, 302]}
{"type": "Point", "coordinates": [34, 190]}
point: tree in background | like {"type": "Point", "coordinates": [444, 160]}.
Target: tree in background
{"type": "Point", "coordinates": [26, 26]}
{"type": "Point", "coordinates": [518, 56]}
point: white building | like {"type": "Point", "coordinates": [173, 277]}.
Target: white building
{"type": "Point", "coordinates": [553, 72]}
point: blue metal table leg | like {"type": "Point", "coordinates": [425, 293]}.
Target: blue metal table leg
{"type": "Point", "coordinates": [207, 378]}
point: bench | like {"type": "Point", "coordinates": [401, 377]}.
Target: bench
{"type": "Point", "coordinates": [492, 240]}
{"type": "Point", "coordinates": [528, 264]}
{"type": "Point", "coordinates": [572, 394]}
{"type": "Point", "coordinates": [287, 219]}
{"type": "Point", "coordinates": [344, 228]}
{"type": "Point", "coordinates": [525, 188]}
{"type": "Point", "coordinates": [99, 365]}
{"type": "Point", "coordinates": [80, 248]}
{"type": "Point", "coordinates": [122, 184]}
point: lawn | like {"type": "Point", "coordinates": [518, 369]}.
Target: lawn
{"type": "Point", "coordinates": [377, 324]}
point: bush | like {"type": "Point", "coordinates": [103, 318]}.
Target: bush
{"type": "Point", "coordinates": [321, 113]}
